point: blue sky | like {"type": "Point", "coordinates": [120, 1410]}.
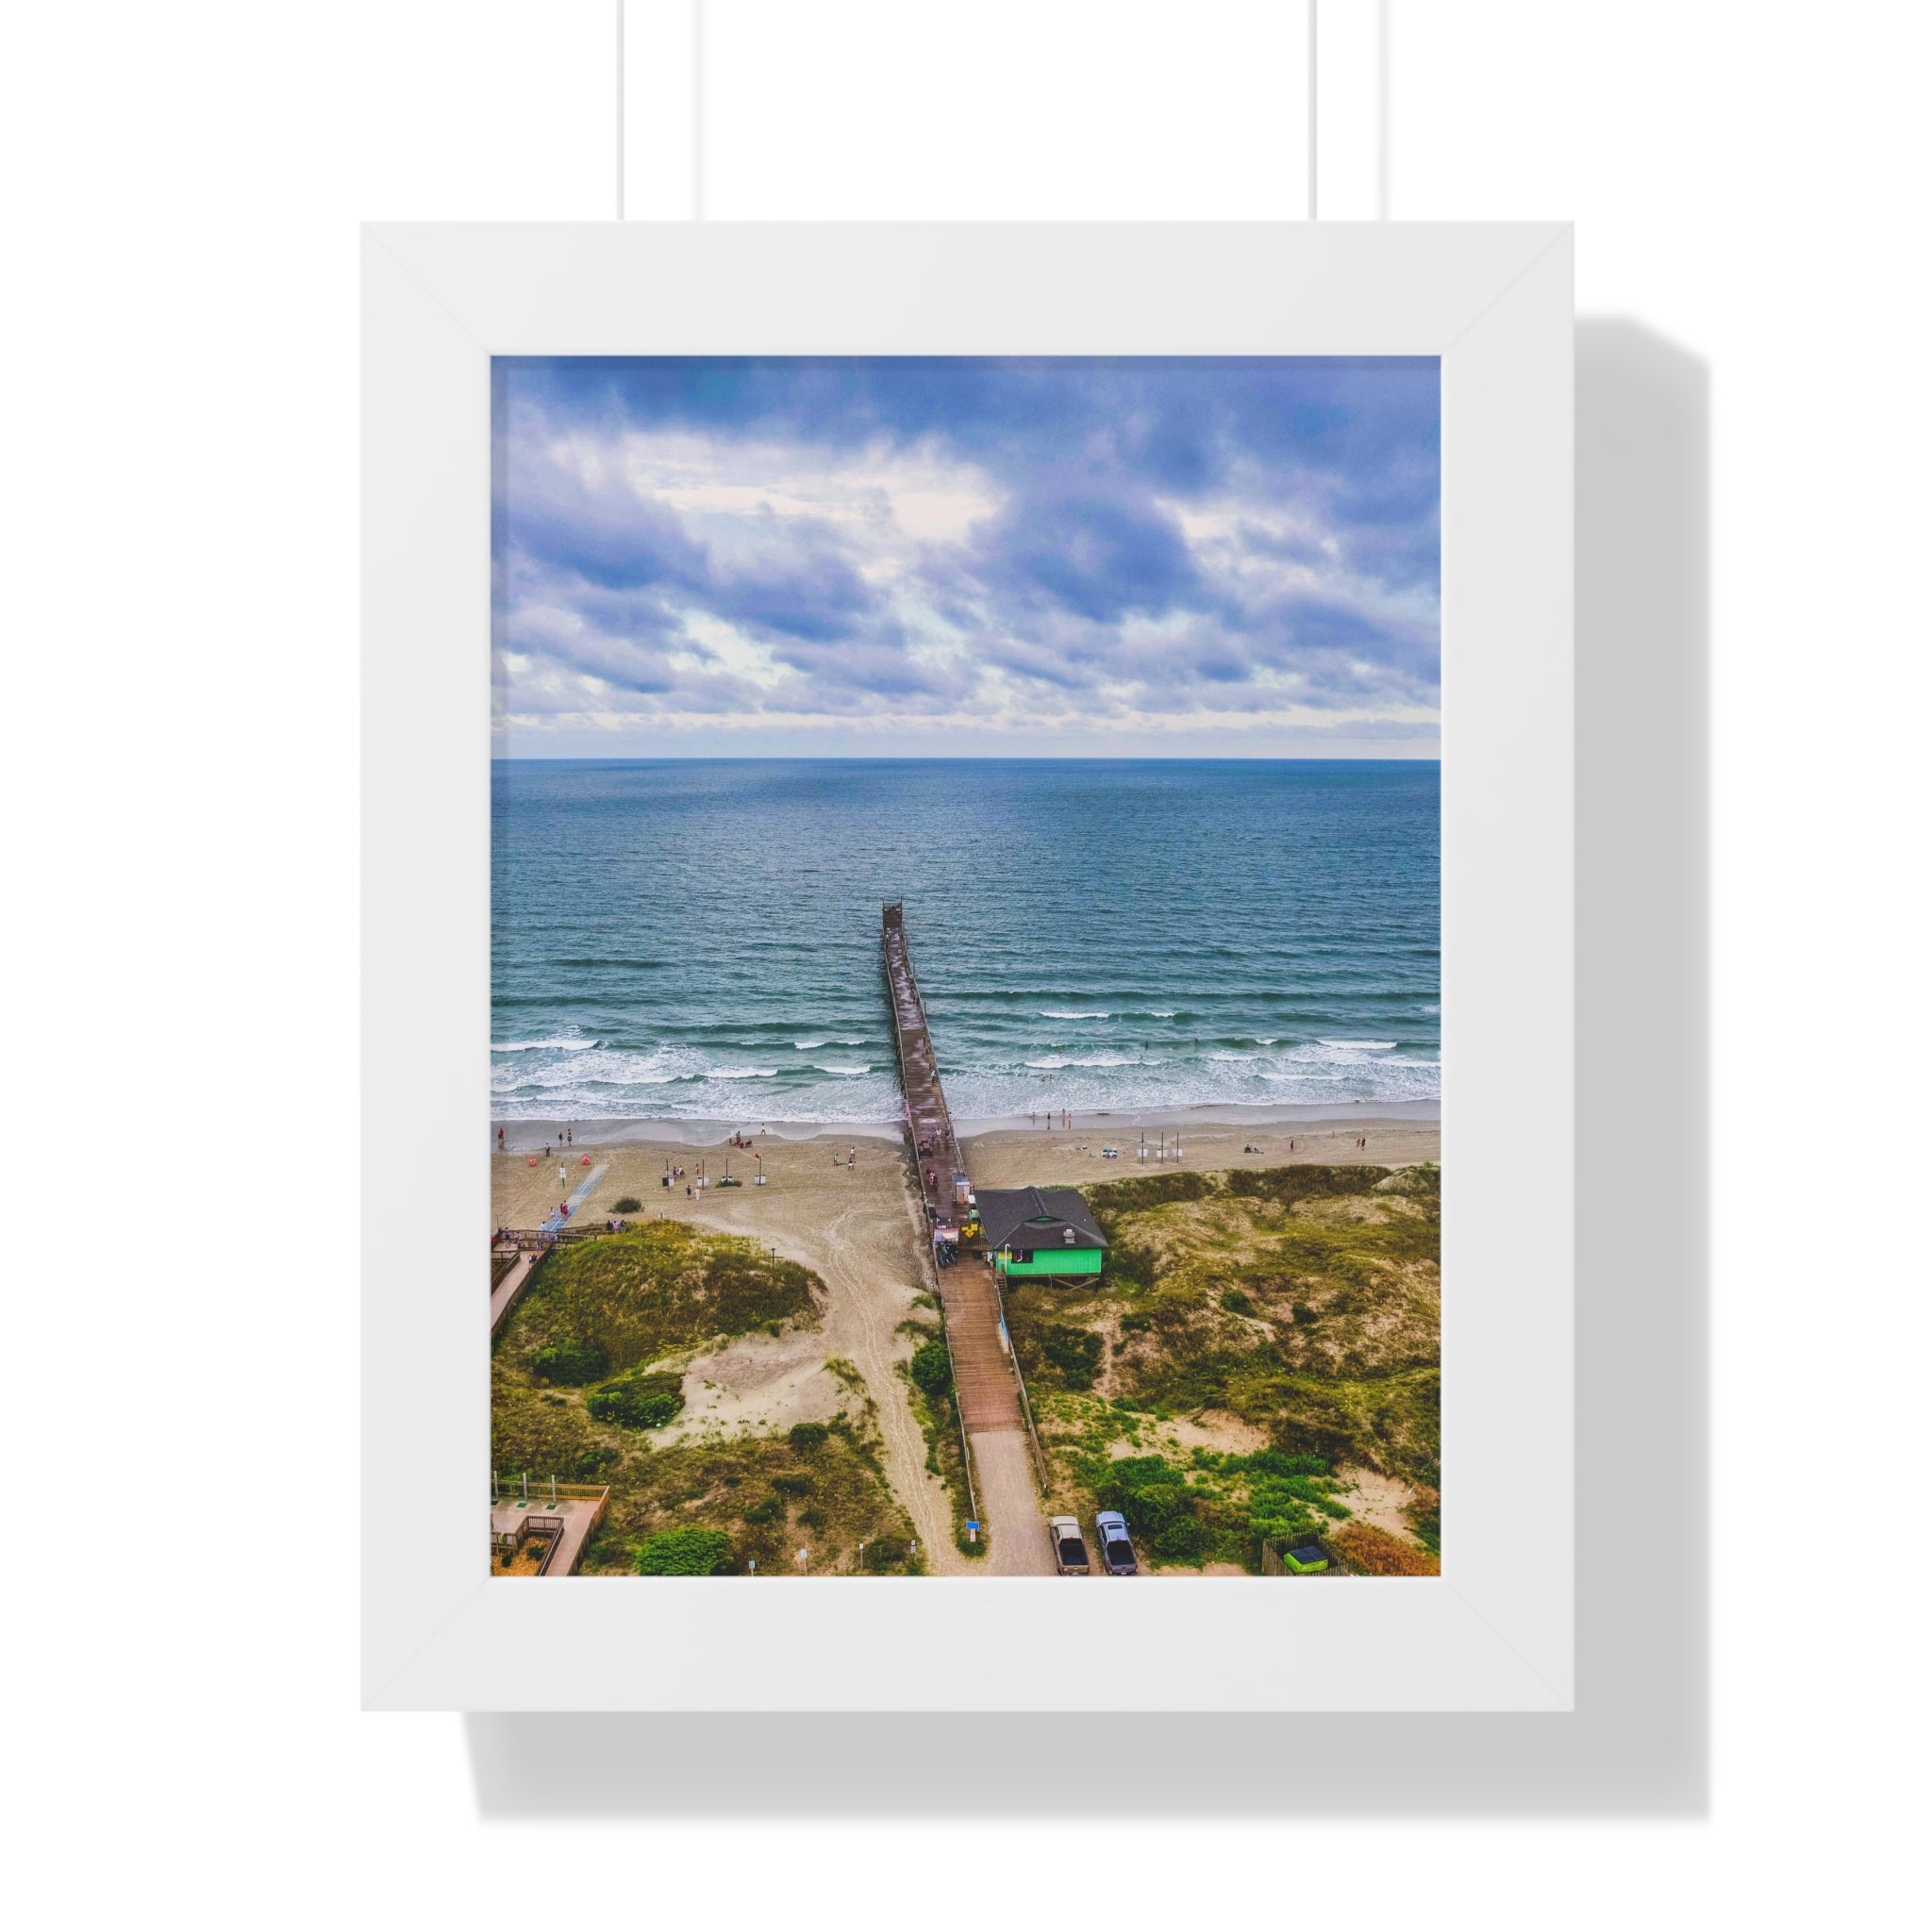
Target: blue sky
{"type": "Point", "coordinates": [889, 557]}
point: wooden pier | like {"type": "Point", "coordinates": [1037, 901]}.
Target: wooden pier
{"type": "Point", "coordinates": [929, 1124]}
{"type": "Point", "coordinates": [982, 1373]}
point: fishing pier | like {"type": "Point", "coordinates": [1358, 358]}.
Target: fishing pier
{"type": "Point", "coordinates": [983, 1375]}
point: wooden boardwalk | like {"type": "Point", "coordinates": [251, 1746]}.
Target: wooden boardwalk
{"type": "Point", "coordinates": [988, 1390]}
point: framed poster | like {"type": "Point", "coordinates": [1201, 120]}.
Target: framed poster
{"type": "Point", "coordinates": [969, 871]}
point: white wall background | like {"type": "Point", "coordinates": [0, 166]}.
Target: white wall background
{"type": "Point", "coordinates": [178, 469]}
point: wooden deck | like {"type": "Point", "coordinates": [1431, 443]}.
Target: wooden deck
{"type": "Point", "coordinates": [988, 1393]}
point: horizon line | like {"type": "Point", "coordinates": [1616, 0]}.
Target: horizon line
{"type": "Point", "coordinates": [960, 758]}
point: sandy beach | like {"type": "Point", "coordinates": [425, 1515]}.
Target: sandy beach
{"type": "Point", "coordinates": [809, 1185]}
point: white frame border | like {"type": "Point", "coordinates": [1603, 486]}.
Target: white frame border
{"type": "Point", "coordinates": [1495, 1632]}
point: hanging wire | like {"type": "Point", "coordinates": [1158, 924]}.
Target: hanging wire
{"type": "Point", "coordinates": [1314, 35]}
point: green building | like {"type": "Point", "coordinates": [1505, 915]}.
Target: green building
{"type": "Point", "coordinates": [1040, 1232]}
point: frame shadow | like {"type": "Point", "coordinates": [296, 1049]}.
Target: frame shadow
{"type": "Point", "coordinates": [1638, 1743]}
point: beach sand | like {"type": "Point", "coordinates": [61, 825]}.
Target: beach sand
{"type": "Point", "coordinates": [1032, 1156]}
{"type": "Point", "coordinates": [858, 1226]}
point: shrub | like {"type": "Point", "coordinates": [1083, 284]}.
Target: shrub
{"type": "Point", "coordinates": [1146, 1492]}
{"type": "Point", "coordinates": [793, 1484]}
{"type": "Point", "coordinates": [629, 1203]}
{"type": "Point", "coordinates": [684, 1553]}
{"type": "Point", "coordinates": [1236, 1301]}
{"type": "Point", "coordinates": [1075, 1352]}
{"type": "Point", "coordinates": [807, 1439]}
{"type": "Point", "coordinates": [1378, 1554]}
{"type": "Point", "coordinates": [1180, 1542]}
{"type": "Point", "coordinates": [638, 1402]}
{"type": "Point", "coordinates": [931, 1367]}
{"type": "Point", "coordinates": [885, 1553]}
{"type": "Point", "coordinates": [768, 1510]}
{"type": "Point", "coordinates": [569, 1362]}
{"type": "Point", "coordinates": [1278, 1462]}
{"type": "Point", "coordinates": [1136, 1322]}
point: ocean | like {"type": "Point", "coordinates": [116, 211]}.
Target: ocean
{"type": "Point", "coordinates": [698, 939]}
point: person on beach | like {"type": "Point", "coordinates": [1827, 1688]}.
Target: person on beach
{"type": "Point", "coordinates": [547, 1150]}
{"type": "Point", "coordinates": [570, 1135]}
{"type": "Point", "coordinates": [499, 1139]}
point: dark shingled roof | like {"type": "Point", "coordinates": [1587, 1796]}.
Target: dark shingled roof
{"type": "Point", "coordinates": [1036, 1218]}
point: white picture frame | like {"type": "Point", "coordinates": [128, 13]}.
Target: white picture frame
{"type": "Point", "coordinates": [1496, 1631]}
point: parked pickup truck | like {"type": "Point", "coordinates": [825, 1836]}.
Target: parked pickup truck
{"type": "Point", "coordinates": [1069, 1552]}
{"type": "Point", "coordinates": [1116, 1553]}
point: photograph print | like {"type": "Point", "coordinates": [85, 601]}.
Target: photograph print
{"type": "Point", "coordinates": [965, 1055]}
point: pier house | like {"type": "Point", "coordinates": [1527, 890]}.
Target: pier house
{"type": "Point", "coordinates": [1039, 1233]}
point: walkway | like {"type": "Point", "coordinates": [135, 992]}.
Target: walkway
{"type": "Point", "coordinates": [579, 1195]}
{"type": "Point", "coordinates": [503, 1296]}
{"type": "Point", "coordinates": [984, 1379]}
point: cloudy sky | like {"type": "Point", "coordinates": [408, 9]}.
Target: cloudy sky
{"type": "Point", "coordinates": [891, 557]}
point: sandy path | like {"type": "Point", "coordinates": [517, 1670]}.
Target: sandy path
{"type": "Point", "coordinates": [1010, 1504]}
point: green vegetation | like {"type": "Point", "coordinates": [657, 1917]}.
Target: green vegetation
{"type": "Point", "coordinates": [1218, 1508]}
{"type": "Point", "coordinates": [626, 1204]}
{"type": "Point", "coordinates": [634, 1298]}
{"type": "Point", "coordinates": [762, 1500]}
{"type": "Point", "coordinates": [1303, 1301]}
{"type": "Point", "coordinates": [807, 1439]}
{"type": "Point", "coordinates": [929, 1375]}
{"type": "Point", "coordinates": [1074, 1354]}
{"type": "Point", "coordinates": [931, 1368]}
{"type": "Point", "coordinates": [683, 1552]}
{"type": "Point", "coordinates": [567, 1361]}
{"type": "Point", "coordinates": [643, 1399]}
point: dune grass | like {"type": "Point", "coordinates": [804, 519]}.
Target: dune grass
{"type": "Point", "coordinates": [612, 1311]}
{"type": "Point", "coordinates": [629, 1299]}
{"type": "Point", "coordinates": [1303, 1301]}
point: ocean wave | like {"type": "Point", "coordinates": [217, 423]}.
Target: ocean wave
{"type": "Point", "coordinates": [740, 1073]}
{"type": "Point", "coordinates": [1064, 1013]}
{"type": "Point", "coordinates": [1233, 1055]}
{"type": "Point", "coordinates": [1362, 1045]}
{"type": "Point", "coordinates": [843, 1073]}
{"type": "Point", "coordinates": [807, 1045]}
{"type": "Point", "coordinates": [541, 1045]}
